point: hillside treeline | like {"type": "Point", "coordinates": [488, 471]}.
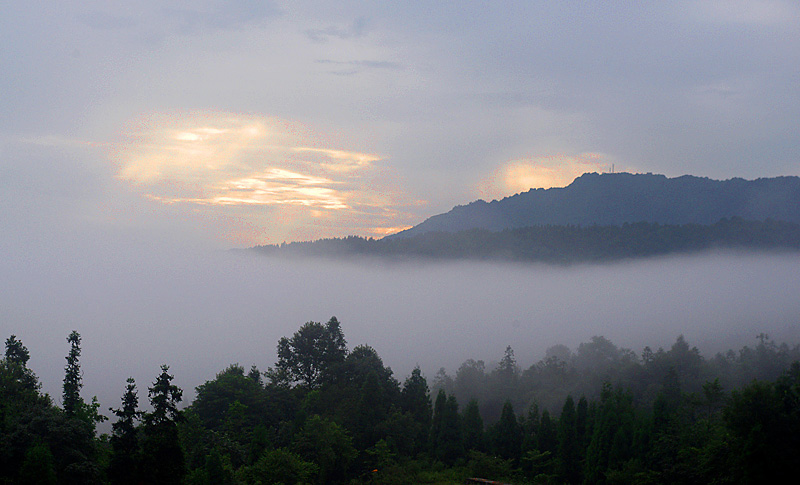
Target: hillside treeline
{"type": "Point", "coordinates": [325, 413]}
{"type": "Point", "coordinates": [558, 244]}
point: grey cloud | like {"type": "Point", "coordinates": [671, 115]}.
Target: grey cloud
{"type": "Point", "coordinates": [356, 29]}
{"type": "Point", "coordinates": [347, 68]}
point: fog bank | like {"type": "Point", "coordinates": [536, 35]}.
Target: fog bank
{"type": "Point", "coordinates": [201, 311]}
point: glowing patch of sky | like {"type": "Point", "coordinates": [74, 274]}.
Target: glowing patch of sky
{"type": "Point", "coordinates": [226, 159]}
{"type": "Point", "coordinates": [542, 172]}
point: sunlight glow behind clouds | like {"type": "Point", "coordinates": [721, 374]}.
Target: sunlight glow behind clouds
{"type": "Point", "coordinates": [225, 160]}
{"type": "Point", "coordinates": [541, 172]}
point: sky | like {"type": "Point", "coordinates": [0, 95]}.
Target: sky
{"type": "Point", "coordinates": [139, 140]}
{"type": "Point", "coordinates": [228, 124]}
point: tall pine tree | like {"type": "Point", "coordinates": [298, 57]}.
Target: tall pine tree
{"type": "Point", "coordinates": [162, 453]}
{"type": "Point", "coordinates": [124, 466]}
{"type": "Point", "coordinates": [73, 379]}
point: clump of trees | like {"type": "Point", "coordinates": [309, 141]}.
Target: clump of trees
{"type": "Point", "coordinates": [327, 414]}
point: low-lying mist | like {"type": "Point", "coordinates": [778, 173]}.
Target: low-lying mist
{"type": "Point", "coordinates": [201, 311]}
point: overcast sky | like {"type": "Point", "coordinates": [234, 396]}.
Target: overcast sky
{"type": "Point", "coordinates": [235, 123]}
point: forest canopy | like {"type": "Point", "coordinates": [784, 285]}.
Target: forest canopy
{"type": "Point", "coordinates": [559, 244]}
{"type": "Point", "coordinates": [325, 413]}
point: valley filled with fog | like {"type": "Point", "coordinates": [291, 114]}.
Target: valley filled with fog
{"type": "Point", "coordinates": [200, 311]}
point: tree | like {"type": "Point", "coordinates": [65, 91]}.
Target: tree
{"type": "Point", "coordinates": [414, 397]}
{"type": "Point", "coordinates": [309, 354]}
{"type": "Point", "coordinates": [473, 427]}
{"type": "Point", "coordinates": [72, 401]}
{"type": "Point", "coordinates": [508, 434]}
{"type": "Point", "coordinates": [328, 445]}
{"type": "Point", "coordinates": [507, 370]}
{"type": "Point", "coordinates": [38, 467]}
{"type": "Point", "coordinates": [415, 401]}
{"type": "Point", "coordinates": [16, 353]}
{"type": "Point", "coordinates": [163, 455]}
{"type": "Point", "coordinates": [20, 378]}
{"type": "Point", "coordinates": [446, 435]}
{"type": "Point", "coordinates": [124, 466]}
{"type": "Point", "coordinates": [568, 462]}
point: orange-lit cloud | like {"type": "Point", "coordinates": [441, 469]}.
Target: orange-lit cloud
{"type": "Point", "coordinates": [270, 173]}
{"type": "Point", "coordinates": [541, 172]}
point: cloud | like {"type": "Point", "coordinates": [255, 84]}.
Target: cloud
{"type": "Point", "coordinates": [263, 172]}
{"type": "Point", "coordinates": [542, 172]}
{"type": "Point", "coordinates": [354, 30]}
{"type": "Point", "coordinates": [347, 68]}
{"type": "Point", "coordinates": [742, 12]}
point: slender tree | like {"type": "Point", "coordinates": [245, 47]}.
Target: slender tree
{"type": "Point", "coordinates": [124, 466]}
{"type": "Point", "coordinates": [73, 377]}
{"type": "Point", "coordinates": [163, 456]}
{"type": "Point", "coordinates": [567, 459]}
{"type": "Point", "coordinates": [473, 427]}
{"type": "Point", "coordinates": [508, 437]}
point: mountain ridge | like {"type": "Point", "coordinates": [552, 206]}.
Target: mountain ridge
{"type": "Point", "coordinates": [618, 198]}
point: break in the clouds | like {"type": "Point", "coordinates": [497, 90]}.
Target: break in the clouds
{"type": "Point", "coordinates": [274, 169]}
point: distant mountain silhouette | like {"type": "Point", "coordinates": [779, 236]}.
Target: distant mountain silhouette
{"type": "Point", "coordinates": [612, 199]}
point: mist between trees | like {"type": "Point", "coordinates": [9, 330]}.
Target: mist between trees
{"type": "Point", "coordinates": [327, 413]}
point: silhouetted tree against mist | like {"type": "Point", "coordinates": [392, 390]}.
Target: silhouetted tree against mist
{"type": "Point", "coordinates": [124, 467]}
{"type": "Point", "coordinates": [73, 382]}
{"type": "Point", "coordinates": [415, 401]}
{"type": "Point", "coordinates": [19, 378]}
{"type": "Point", "coordinates": [163, 460]}
{"type": "Point", "coordinates": [309, 354]}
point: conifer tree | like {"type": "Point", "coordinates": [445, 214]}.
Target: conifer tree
{"type": "Point", "coordinates": [473, 427]}
{"type": "Point", "coordinates": [567, 461]}
{"type": "Point", "coordinates": [73, 378]}
{"type": "Point", "coordinates": [16, 361]}
{"type": "Point", "coordinates": [163, 456]}
{"type": "Point", "coordinates": [508, 438]}
{"type": "Point", "coordinates": [124, 466]}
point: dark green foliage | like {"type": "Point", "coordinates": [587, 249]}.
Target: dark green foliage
{"type": "Point", "coordinates": [508, 435]}
{"type": "Point", "coordinates": [415, 401]}
{"type": "Point", "coordinates": [764, 420]}
{"type": "Point", "coordinates": [214, 399]}
{"type": "Point", "coordinates": [17, 379]}
{"type": "Point", "coordinates": [309, 354]}
{"type": "Point", "coordinates": [473, 427]}
{"type": "Point", "coordinates": [38, 467]}
{"type": "Point", "coordinates": [38, 439]}
{"type": "Point", "coordinates": [569, 445]}
{"type": "Point", "coordinates": [16, 353]}
{"type": "Point", "coordinates": [666, 418]}
{"type": "Point", "coordinates": [278, 466]}
{"type": "Point", "coordinates": [326, 444]}
{"type": "Point", "coordinates": [446, 435]}
{"type": "Point", "coordinates": [125, 460]}
{"type": "Point", "coordinates": [612, 437]}
{"type": "Point", "coordinates": [163, 460]}
{"type": "Point", "coordinates": [73, 381]}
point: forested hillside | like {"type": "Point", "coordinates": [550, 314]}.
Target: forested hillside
{"type": "Point", "coordinates": [559, 244]}
{"type": "Point", "coordinates": [326, 413]}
